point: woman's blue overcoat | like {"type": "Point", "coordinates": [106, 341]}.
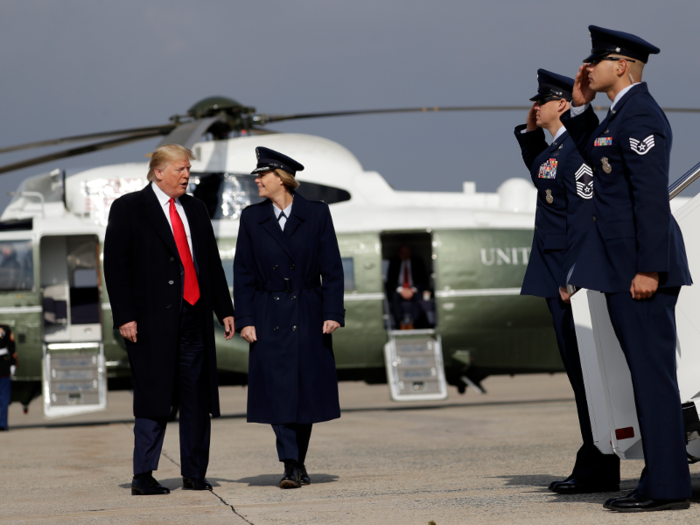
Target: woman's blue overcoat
{"type": "Point", "coordinates": [286, 284]}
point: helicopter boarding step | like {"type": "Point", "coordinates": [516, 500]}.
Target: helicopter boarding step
{"type": "Point", "coordinates": [605, 372]}
{"type": "Point", "coordinates": [414, 367]}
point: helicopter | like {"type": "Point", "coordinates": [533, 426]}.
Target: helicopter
{"type": "Point", "coordinates": [475, 246]}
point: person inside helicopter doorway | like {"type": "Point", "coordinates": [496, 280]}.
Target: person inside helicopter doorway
{"type": "Point", "coordinates": [288, 291]}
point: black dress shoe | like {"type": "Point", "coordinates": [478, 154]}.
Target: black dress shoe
{"type": "Point", "coordinates": [555, 483]}
{"type": "Point", "coordinates": [607, 504]}
{"type": "Point", "coordinates": [303, 476]}
{"type": "Point", "coordinates": [291, 479]}
{"type": "Point", "coordinates": [578, 486]}
{"type": "Point", "coordinates": [195, 484]}
{"type": "Point", "coordinates": [639, 503]}
{"type": "Point", "coordinates": [146, 485]}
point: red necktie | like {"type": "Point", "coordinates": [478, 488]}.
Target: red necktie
{"type": "Point", "coordinates": [191, 293]}
{"type": "Point", "coordinates": [406, 279]}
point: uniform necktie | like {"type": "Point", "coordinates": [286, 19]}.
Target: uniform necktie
{"type": "Point", "coordinates": [191, 292]}
{"type": "Point", "coordinates": [280, 221]}
{"type": "Point", "coordinates": [406, 278]}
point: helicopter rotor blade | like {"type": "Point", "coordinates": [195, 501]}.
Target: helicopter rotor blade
{"type": "Point", "coordinates": [188, 134]}
{"type": "Point", "coordinates": [262, 119]}
{"type": "Point", "coordinates": [81, 150]}
{"type": "Point", "coordinates": [161, 130]}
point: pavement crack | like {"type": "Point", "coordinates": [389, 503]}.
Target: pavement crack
{"type": "Point", "coordinates": [163, 453]}
{"type": "Point", "coordinates": [232, 508]}
{"type": "Point", "coordinates": [222, 500]}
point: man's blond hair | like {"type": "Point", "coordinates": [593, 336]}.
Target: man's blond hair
{"type": "Point", "coordinates": [166, 154]}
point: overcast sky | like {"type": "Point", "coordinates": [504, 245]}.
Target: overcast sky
{"type": "Point", "coordinates": [79, 66]}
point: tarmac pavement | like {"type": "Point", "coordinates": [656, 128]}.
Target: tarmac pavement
{"type": "Point", "coordinates": [469, 459]}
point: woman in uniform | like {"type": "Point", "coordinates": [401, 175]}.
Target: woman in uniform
{"type": "Point", "coordinates": [288, 292]}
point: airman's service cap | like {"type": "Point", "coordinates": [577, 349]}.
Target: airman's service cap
{"type": "Point", "coordinates": [269, 159]}
{"type": "Point", "coordinates": [606, 41]}
{"type": "Point", "coordinates": [552, 86]}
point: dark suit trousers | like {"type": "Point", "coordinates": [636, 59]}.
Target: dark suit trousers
{"type": "Point", "coordinates": [192, 399]}
{"type": "Point", "coordinates": [591, 464]}
{"type": "Point", "coordinates": [647, 333]}
{"type": "Point", "coordinates": [405, 310]}
{"type": "Point", "coordinates": [292, 441]}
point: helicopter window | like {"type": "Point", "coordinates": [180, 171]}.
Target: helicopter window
{"type": "Point", "coordinates": [227, 194]}
{"type": "Point", "coordinates": [349, 273]}
{"type": "Point", "coordinates": [16, 266]}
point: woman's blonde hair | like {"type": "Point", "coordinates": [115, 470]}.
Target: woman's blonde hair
{"type": "Point", "coordinates": [166, 154]}
{"type": "Point", "coordinates": [289, 181]}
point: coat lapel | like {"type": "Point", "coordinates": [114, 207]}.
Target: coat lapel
{"type": "Point", "coordinates": [155, 215]}
{"type": "Point", "coordinates": [187, 204]}
{"type": "Point", "coordinates": [299, 210]}
{"type": "Point", "coordinates": [268, 222]}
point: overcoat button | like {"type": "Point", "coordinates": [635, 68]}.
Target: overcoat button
{"type": "Point", "coordinates": [168, 307]}
{"type": "Point", "coordinates": [277, 298]}
{"type": "Point", "coordinates": [275, 266]}
{"type": "Point", "coordinates": [294, 297]}
{"type": "Point", "coordinates": [276, 328]}
{"type": "Point", "coordinates": [291, 267]}
{"type": "Point", "coordinates": [535, 227]}
{"type": "Point", "coordinates": [294, 328]}
{"type": "Point", "coordinates": [594, 218]}
{"type": "Point", "coordinates": [172, 258]}
{"type": "Point", "coordinates": [171, 282]}
{"type": "Point", "coordinates": [182, 273]}
{"type": "Point", "coordinates": [593, 168]}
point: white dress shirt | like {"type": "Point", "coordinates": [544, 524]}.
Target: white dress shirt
{"type": "Point", "coordinates": [577, 110]}
{"type": "Point", "coordinates": [287, 212]}
{"type": "Point", "coordinates": [164, 201]}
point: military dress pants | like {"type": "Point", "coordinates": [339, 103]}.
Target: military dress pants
{"type": "Point", "coordinates": [292, 441]}
{"type": "Point", "coordinates": [591, 464]}
{"type": "Point", "coordinates": [646, 330]}
{"type": "Point", "coordinates": [193, 402]}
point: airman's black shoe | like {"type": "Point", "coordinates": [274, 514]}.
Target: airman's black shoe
{"type": "Point", "coordinates": [578, 486]}
{"type": "Point", "coordinates": [291, 479]}
{"type": "Point", "coordinates": [635, 502]}
{"type": "Point", "coordinates": [195, 484]}
{"type": "Point", "coordinates": [146, 485]}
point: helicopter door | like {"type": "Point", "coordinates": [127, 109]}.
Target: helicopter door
{"type": "Point", "coordinates": [413, 354]}
{"type": "Point", "coordinates": [74, 370]}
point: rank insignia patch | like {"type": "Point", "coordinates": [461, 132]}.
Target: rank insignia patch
{"type": "Point", "coordinates": [584, 182]}
{"type": "Point", "coordinates": [642, 147]}
{"type": "Point", "coordinates": [603, 141]}
{"type": "Point", "coordinates": [548, 170]}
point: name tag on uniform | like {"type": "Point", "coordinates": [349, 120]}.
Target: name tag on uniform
{"type": "Point", "coordinates": [548, 170]}
{"type": "Point", "coordinates": [603, 141]}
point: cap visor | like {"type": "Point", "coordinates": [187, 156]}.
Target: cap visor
{"type": "Point", "coordinates": [262, 169]}
{"type": "Point", "coordinates": [594, 56]}
{"type": "Point", "coordinates": [537, 97]}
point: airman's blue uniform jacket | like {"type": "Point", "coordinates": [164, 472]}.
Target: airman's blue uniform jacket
{"type": "Point", "coordinates": [564, 195]}
{"type": "Point", "coordinates": [632, 226]}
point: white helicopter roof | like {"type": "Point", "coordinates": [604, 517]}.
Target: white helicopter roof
{"type": "Point", "coordinates": [373, 204]}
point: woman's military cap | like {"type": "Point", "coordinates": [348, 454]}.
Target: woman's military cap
{"type": "Point", "coordinates": [269, 160]}
{"type": "Point", "coordinates": [607, 41]}
{"type": "Point", "coordinates": [552, 86]}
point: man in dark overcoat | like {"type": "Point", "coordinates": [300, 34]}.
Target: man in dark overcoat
{"type": "Point", "coordinates": [406, 279]}
{"type": "Point", "coordinates": [634, 252]}
{"type": "Point", "coordinates": [164, 278]}
{"type": "Point", "coordinates": [564, 185]}
{"type": "Point", "coordinates": [288, 291]}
